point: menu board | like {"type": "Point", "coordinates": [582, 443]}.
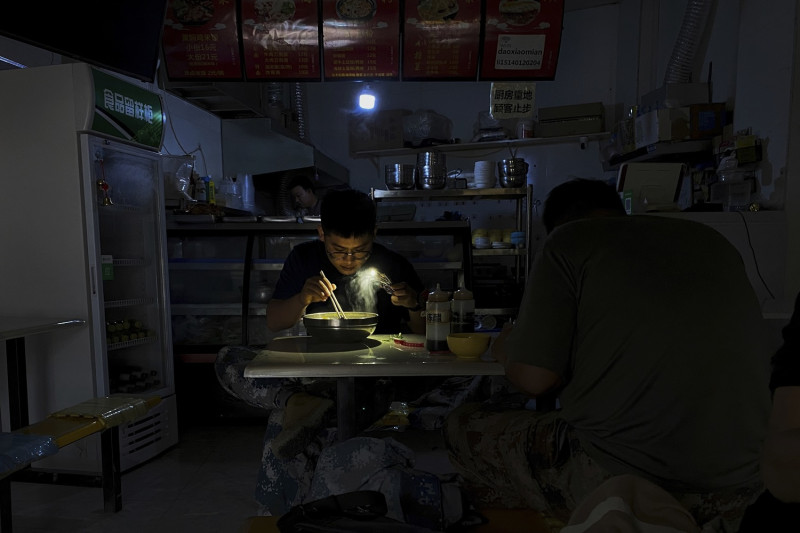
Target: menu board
{"type": "Point", "coordinates": [201, 40]}
{"type": "Point", "coordinates": [522, 39]}
{"type": "Point", "coordinates": [280, 39]}
{"type": "Point", "coordinates": [441, 39]}
{"type": "Point", "coordinates": [361, 39]}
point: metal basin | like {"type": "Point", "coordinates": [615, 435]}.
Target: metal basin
{"type": "Point", "coordinates": [328, 327]}
{"type": "Point", "coordinates": [400, 177]}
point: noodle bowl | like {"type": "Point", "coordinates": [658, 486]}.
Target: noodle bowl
{"type": "Point", "coordinates": [328, 327]}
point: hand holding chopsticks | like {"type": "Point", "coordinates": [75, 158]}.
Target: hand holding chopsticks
{"type": "Point", "coordinates": [339, 310]}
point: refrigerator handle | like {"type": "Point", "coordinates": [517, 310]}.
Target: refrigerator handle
{"type": "Point", "coordinates": [92, 279]}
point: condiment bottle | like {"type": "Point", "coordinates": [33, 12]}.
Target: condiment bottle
{"type": "Point", "coordinates": [437, 320]}
{"type": "Point", "coordinates": [463, 311]}
{"type": "Point", "coordinates": [211, 191]}
{"type": "Point", "coordinates": [200, 190]}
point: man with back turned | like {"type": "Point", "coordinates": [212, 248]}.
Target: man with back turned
{"type": "Point", "coordinates": [648, 332]}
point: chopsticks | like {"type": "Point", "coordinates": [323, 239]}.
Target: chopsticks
{"type": "Point", "coordinates": [339, 310]}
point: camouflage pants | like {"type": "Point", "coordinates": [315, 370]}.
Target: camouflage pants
{"type": "Point", "coordinates": [517, 458]}
{"type": "Point", "coordinates": [280, 484]}
{"type": "Point", "coordinates": [520, 459]}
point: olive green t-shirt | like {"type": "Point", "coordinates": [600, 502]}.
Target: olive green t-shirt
{"type": "Point", "coordinates": [654, 327]}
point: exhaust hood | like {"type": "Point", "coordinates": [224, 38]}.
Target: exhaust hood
{"type": "Point", "coordinates": [261, 146]}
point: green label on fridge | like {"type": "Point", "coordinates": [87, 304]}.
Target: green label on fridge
{"type": "Point", "coordinates": [126, 111]}
{"type": "Point", "coordinates": [107, 265]}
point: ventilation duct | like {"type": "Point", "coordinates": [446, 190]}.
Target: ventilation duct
{"type": "Point", "coordinates": [679, 68]}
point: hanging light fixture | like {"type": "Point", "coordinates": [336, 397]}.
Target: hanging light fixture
{"type": "Point", "coordinates": [367, 98]}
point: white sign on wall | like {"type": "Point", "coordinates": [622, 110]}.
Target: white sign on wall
{"type": "Point", "coordinates": [512, 100]}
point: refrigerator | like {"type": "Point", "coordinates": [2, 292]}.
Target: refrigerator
{"type": "Point", "coordinates": [84, 237]}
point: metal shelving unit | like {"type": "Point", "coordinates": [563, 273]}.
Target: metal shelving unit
{"type": "Point", "coordinates": [523, 196]}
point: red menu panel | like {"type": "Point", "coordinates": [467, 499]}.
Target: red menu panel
{"type": "Point", "coordinates": [361, 39]}
{"type": "Point", "coordinates": [522, 39]}
{"type": "Point", "coordinates": [201, 40]}
{"type": "Point", "coordinates": [281, 39]}
{"type": "Point", "coordinates": [442, 39]}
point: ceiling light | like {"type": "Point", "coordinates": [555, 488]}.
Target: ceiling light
{"type": "Point", "coordinates": [366, 98]}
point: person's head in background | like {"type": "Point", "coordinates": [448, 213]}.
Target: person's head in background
{"type": "Point", "coordinates": [580, 198]}
{"type": "Point", "coordinates": [302, 192]}
{"type": "Point", "coordinates": [347, 228]}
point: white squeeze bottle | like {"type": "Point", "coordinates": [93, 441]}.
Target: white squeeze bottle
{"type": "Point", "coordinates": [437, 320]}
{"type": "Point", "coordinates": [463, 311]}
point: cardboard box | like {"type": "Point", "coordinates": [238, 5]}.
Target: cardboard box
{"type": "Point", "coordinates": [675, 95]}
{"type": "Point", "coordinates": [697, 121]}
{"type": "Point", "coordinates": [381, 130]}
{"type": "Point", "coordinates": [570, 120]}
{"type": "Point", "coordinates": [706, 120]}
{"type": "Point", "coordinates": [662, 125]}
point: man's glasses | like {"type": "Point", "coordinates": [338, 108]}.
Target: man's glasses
{"type": "Point", "coordinates": [357, 255]}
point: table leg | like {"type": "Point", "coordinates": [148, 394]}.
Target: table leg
{"type": "Point", "coordinates": [346, 407]}
{"type": "Point", "coordinates": [112, 475]}
{"type": "Point", "coordinates": [5, 504]}
{"type": "Point", "coordinates": [17, 383]}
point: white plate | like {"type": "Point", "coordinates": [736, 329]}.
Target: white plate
{"type": "Point", "coordinates": [502, 245]}
{"type": "Point", "coordinates": [483, 246]}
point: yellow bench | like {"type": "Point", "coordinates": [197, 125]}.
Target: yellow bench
{"type": "Point", "coordinates": [25, 445]}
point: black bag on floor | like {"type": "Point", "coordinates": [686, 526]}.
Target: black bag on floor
{"type": "Point", "coordinates": [352, 512]}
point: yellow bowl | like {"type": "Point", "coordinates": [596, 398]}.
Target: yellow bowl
{"type": "Point", "coordinates": [468, 345]}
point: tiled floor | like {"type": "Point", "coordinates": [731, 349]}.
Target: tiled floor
{"type": "Point", "coordinates": [204, 484]}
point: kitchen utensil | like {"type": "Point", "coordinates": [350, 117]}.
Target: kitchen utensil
{"type": "Point", "coordinates": [515, 165]}
{"type": "Point", "coordinates": [431, 170]}
{"type": "Point", "coordinates": [435, 181]}
{"type": "Point", "coordinates": [513, 180]}
{"type": "Point", "coordinates": [336, 305]}
{"type": "Point", "coordinates": [512, 172]}
{"type": "Point", "coordinates": [400, 177]}
{"type": "Point", "coordinates": [468, 345]}
{"type": "Point", "coordinates": [432, 159]}
{"type": "Point", "coordinates": [355, 326]}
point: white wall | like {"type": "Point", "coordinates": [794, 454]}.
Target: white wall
{"type": "Point", "coordinates": [612, 54]}
{"type": "Point", "coordinates": [586, 73]}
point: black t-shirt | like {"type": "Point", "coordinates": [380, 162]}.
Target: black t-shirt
{"type": "Point", "coordinates": [357, 292]}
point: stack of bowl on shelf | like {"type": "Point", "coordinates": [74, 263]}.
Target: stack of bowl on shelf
{"type": "Point", "coordinates": [513, 172]}
{"type": "Point", "coordinates": [431, 170]}
{"type": "Point", "coordinates": [480, 238]}
{"type": "Point", "coordinates": [483, 238]}
{"type": "Point", "coordinates": [483, 176]}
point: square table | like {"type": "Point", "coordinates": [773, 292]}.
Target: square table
{"type": "Point", "coordinates": [376, 356]}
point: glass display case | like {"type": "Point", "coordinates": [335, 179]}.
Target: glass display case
{"type": "Point", "coordinates": [221, 274]}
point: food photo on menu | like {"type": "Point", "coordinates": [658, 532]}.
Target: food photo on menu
{"type": "Point", "coordinates": [359, 10]}
{"type": "Point", "coordinates": [280, 39]}
{"type": "Point", "coordinates": [193, 12]}
{"type": "Point", "coordinates": [519, 12]}
{"type": "Point", "coordinates": [437, 10]}
{"type": "Point", "coordinates": [275, 10]}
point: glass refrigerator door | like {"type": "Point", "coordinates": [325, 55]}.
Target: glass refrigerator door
{"type": "Point", "coordinates": [125, 186]}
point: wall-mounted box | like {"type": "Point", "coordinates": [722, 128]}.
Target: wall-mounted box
{"type": "Point", "coordinates": [570, 120]}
